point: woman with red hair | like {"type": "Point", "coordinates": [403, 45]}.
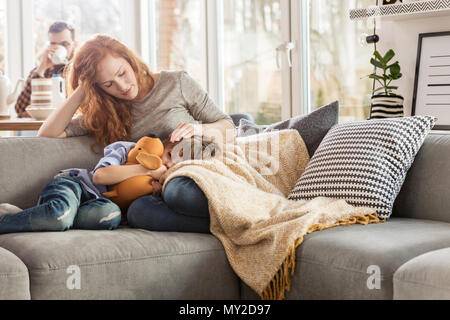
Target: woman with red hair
{"type": "Point", "coordinates": [121, 99]}
{"type": "Point", "coordinates": [118, 98]}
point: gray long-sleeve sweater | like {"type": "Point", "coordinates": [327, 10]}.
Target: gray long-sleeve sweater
{"type": "Point", "coordinates": [175, 98]}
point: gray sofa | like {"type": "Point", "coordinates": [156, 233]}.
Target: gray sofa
{"type": "Point", "coordinates": [404, 258]}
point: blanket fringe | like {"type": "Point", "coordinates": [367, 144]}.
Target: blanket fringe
{"type": "Point", "coordinates": [281, 282]}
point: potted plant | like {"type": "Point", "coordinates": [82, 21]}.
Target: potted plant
{"type": "Point", "coordinates": [385, 103]}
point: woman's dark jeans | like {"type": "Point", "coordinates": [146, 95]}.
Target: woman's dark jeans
{"type": "Point", "coordinates": [183, 209]}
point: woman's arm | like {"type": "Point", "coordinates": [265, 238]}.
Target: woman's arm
{"type": "Point", "coordinates": [58, 121]}
{"type": "Point", "coordinates": [214, 123]}
{"type": "Point", "coordinates": [111, 175]}
{"type": "Point", "coordinates": [222, 131]}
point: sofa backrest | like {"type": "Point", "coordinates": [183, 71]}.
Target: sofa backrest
{"type": "Point", "coordinates": [27, 164]}
{"type": "Point", "coordinates": [426, 191]}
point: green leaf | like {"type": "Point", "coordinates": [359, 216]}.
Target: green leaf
{"type": "Point", "coordinates": [388, 56]}
{"type": "Point", "coordinates": [391, 65]}
{"type": "Point", "coordinates": [395, 68]}
{"type": "Point", "coordinates": [379, 58]}
{"type": "Point", "coordinates": [377, 64]}
{"type": "Point", "coordinates": [397, 75]}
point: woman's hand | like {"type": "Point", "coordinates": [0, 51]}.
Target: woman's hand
{"type": "Point", "coordinates": [60, 118]}
{"type": "Point", "coordinates": [186, 131]}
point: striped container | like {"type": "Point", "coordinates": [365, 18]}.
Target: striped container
{"type": "Point", "coordinates": [385, 106]}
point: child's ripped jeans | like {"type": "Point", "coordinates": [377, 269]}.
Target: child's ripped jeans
{"type": "Point", "coordinates": [64, 204]}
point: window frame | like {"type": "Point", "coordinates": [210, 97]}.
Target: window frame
{"type": "Point", "coordinates": [214, 47]}
{"type": "Point", "coordinates": [301, 99]}
{"type": "Point", "coordinates": [5, 37]}
{"type": "Point", "coordinates": [19, 42]}
{"type": "Point", "coordinates": [292, 100]}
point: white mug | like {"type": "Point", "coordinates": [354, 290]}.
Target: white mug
{"type": "Point", "coordinates": [41, 93]}
{"type": "Point", "coordinates": [60, 56]}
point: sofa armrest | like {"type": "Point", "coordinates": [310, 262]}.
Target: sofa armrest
{"type": "Point", "coordinates": [426, 191]}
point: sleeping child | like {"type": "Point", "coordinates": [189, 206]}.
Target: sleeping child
{"type": "Point", "coordinates": [74, 198]}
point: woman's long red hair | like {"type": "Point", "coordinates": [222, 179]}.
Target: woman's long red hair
{"type": "Point", "coordinates": [107, 118]}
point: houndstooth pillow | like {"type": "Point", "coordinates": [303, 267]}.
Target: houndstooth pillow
{"type": "Point", "coordinates": [364, 163]}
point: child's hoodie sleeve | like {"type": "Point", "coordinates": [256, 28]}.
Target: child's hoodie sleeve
{"type": "Point", "coordinates": [115, 154]}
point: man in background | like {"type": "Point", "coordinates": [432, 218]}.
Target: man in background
{"type": "Point", "coordinates": [59, 34]}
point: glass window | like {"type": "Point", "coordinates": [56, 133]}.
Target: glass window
{"type": "Point", "coordinates": [338, 62]}
{"type": "Point", "coordinates": [3, 36]}
{"type": "Point", "coordinates": [87, 16]}
{"type": "Point", "coordinates": [252, 80]}
{"type": "Point", "coordinates": [181, 37]}
{"type": "Point", "coordinates": [3, 47]}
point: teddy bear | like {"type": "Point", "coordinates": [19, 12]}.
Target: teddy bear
{"type": "Point", "coordinates": [147, 152]}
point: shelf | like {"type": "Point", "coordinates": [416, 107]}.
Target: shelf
{"type": "Point", "coordinates": [420, 9]}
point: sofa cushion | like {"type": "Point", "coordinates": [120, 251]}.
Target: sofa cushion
{"type": "Point", "coordinates": [237, 117]}
{"type": "Point", "coordinates": [312, 127]}
{"type": "Point", "coordinates": [426, 277]}
{"type": "Point", "coordinates": [344, 262]}
{"type": "Point", "coordinates": [365, 162]}
{"type": "Point", "coordinates": [14, 281]}
{"type": "Point", "coordinates": [124, 264]}
{"type": "Point", "coordinates": [426, 191]}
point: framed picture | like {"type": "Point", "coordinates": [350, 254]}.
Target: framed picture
{"type": "Point", "coordinates": [432, 82]}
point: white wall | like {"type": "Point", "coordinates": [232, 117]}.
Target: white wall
{"type": "Point", "coordinates": [402, 36]}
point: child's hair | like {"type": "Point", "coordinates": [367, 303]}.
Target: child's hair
{"type": "Point", "coordinates": [195, 148]}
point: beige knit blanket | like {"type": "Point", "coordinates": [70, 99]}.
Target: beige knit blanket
{"type": "Point", "coordinates": [247, 186]}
